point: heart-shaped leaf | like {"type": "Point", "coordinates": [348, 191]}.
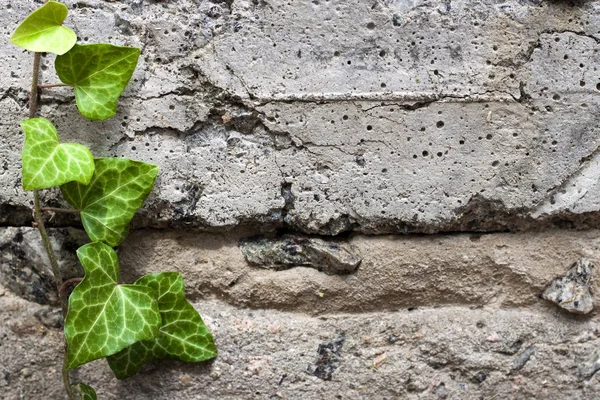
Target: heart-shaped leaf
{"type": "Point", "coordinates": [99, 73]}
{"type": "Point", "coordinates": [47, 162]}
{"type": "Point", "coordinates": [84, 392]}
{"type": "Point", "coordinates": [105, 317]}
{"type": "Point", "coordinates": [116, 191]}
{"type": "Point", "coordinates": [42, 30]}
{"type": "Point", "coordinates": [183, 335]}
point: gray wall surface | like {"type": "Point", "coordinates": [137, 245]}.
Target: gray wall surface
{"type": "Point", "coordinates": [450, 146]}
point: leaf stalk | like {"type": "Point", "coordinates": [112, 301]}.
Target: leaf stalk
{"type": "Point", "coordinates": [60, 210]}
{"type": "Point", "coordinates": [51, 85]}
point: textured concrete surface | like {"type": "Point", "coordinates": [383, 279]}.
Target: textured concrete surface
{"type": "Point", "coordinates": [327, 116]}
{"type": "Point", "coordinates": [460, 119]}
{"type": "Point", "coordinates": [501, 270]}
{"type": "Point", "coordinates": [441, 353]}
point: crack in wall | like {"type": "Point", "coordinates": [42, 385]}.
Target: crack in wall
{"type": "Point", "coordinates": [573, 188]}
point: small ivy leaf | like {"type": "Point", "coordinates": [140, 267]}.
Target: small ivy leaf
{"type": "Point", "coordinates": [99, 73]}
{"type": "Point", "coordinates": [42, 30]}
{"type": "Point", "coordinates": [48, 163]}
{"type": "Point", "coordinates": [84, 392]}
{"type": "Point", "coordinates": [183, 335]}
{"type": "Point", "coordinates": [105, 317]}
{"type": "Point", "coordinates": [116, 191]}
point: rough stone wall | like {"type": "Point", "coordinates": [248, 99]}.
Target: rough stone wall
{"type": "Point", "coordinates": [366, 198]}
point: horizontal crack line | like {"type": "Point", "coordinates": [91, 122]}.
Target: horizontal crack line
{"type": "Point", "coordinates": [407, 97]}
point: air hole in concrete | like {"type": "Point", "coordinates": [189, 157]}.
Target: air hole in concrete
{"type": "Point", "coordinates": [371, 25]}
{"type": "Point", "coordinates": [336, 53]}
{"type": "Point", "coordinates": [439, 154]}
{"type": "Point", "coordinates": [425, 153]}
{"type": "Point", "coordinates": [489, 136]}
{"type": "Point", "coordinates": [582, 83]}
{"type": "Point", "coordinates": [440, 124]}
{"type": "Point", "coordinates": [382, 53]}
{"type": "Point", "coordinates": [345, 117]}
{"type": "Point", "coordinates": [495, 163]}
{"type": "Point", "coordinates": [369, 127]}
{"type": "Point", "coordinates": [598, 86]}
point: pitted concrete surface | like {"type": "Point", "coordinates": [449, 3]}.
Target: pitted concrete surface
{"type": "Point", "coordinates": [333, 119]}
{"type": "Point", "coordinates": [328, 116]}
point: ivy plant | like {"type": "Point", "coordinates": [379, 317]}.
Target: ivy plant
{"type": "Point", "coordinates": [128, 324]}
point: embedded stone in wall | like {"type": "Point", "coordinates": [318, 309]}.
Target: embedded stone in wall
{"type": "Point", "coordinates": [591, 365]}
{"type": "Point", "coordinates": [332, 258]}
{"type": "Point", "coordinates": [572, 291]}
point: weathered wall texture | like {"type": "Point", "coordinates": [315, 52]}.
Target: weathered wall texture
{"type": "Point", "coordinates": [449, 146]}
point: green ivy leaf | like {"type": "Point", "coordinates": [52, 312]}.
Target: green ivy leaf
{"type": "Point", "coordinates": [108, 203]}
{"type": "Point", "coordinates": [105, 317]}
{"type": "Point", "coordinates": [99, 73]}
{"type": "Point", "coordinates": [42, 30]}
{"type": "Point", "coordinates": [183, 335]}
{"type": "Point", "coordinates": [48, 163]}
{"type": "Point", "coordinates": [85, 392]}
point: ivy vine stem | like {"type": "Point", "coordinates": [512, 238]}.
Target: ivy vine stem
{"type": "Point", "coordinates": [39, 222]}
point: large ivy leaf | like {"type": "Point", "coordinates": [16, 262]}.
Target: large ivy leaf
{"type": "Point", "coordinates": [105, 317]}
{"type": "Point", "coordinates": [84, 392]}
{"type": "Point", "coordinates": [42, 30]}
{"type": "Point", "coordinates": [99, 73]}
{"type": "Point", "coordinates": [183, 335]}
{"type": "Point", "coordinates": [116, 191]}
{"type": "Point", "coordinates": [48, 163]}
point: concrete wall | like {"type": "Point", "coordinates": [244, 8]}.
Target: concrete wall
{"type": "Point", "coordinates": [449, 146]}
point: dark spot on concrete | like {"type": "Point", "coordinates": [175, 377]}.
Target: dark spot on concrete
{"type": "Point", "coordinates": [479, 377]}
{"type": "Point", "coordinates": [328, 359]}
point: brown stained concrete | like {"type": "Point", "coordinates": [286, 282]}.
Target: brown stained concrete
{"type": "Point", "coordinates": [492, 270]}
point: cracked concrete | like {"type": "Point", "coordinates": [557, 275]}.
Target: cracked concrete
{"type": "Point", "coordinates": [420, 106]}
{"type": "Point", "coordinates": [334, 119]}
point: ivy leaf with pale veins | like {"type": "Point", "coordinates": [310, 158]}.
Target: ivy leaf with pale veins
{"type": "Point", "coordinates": [99, 74]}
{"type": "Point", "coordinates": [47, 162]}
{"type": "Point", "coordinates": [42, 30]}
{"type": "Point", "coordinates": [84, 392]}
{"type": "Point", "coordinates": [116, 191]}
{"type": "Point", "coordinates": [183, 335]}
{"type": "Point", "coordinates": [105, 317]}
